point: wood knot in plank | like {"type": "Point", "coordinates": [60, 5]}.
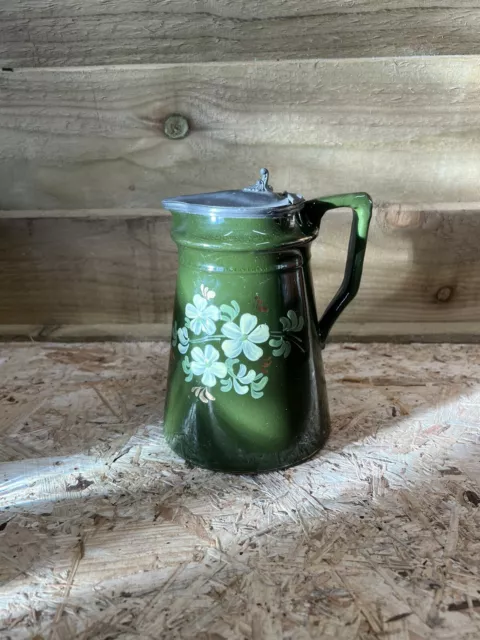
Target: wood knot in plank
{"type": "Point", "coordinates": [444, 294]}
{"type": "Point", "coordinates": [176, 127]}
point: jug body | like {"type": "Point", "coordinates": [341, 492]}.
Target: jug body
{"type": "Point", "coordinates": [246, 388]}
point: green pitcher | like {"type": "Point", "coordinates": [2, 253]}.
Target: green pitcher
{"type": "Point", "coordinates": [246, 389]}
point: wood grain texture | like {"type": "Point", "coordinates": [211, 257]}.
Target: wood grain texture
{"type": "Point", "coordinates": [35, 33]}
{"type": "Point", "coordinates": [405, 130]}
{"type": "Point", "coordinates": [95, 271]}
{"type": "Point", "coordinates": [375, 538]}
{"type": "Point", "coordinates": [61, 273]}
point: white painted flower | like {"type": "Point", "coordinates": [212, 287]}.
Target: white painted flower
{"type": "Point", "coordinates": [202, 315]}
{"type": "Point", "coordinates": [205, 364]}
{"type": "Point", "coordinates": [245, 336]}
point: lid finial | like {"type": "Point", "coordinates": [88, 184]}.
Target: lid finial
{"type": "Point", "coordinates": [262, 184]}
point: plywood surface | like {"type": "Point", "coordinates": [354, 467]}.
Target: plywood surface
{"type": "Point", "coordinates": [36, 33]}
{"type": "Point", "coordinates": [95, 274]}
{"type": "Point", "coordinates": [403, 129]}
{"type": "Point", "coordinates": [106, 534]}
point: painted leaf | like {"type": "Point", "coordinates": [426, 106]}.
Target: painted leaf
{"type": "Point", "coordinates": [231, 362]}
{"type": "Point", "coordinates": [275, 342]}
{"type": "Point", "coordinates": [226, 385]}
{"type": "Point", "coordinates": [258, 386]}
{"type": "Point", "coordinates": [280, 351]}
{"type": "Point", "coordinates": [241, 371]}
{"type": "Point", "coordinates": [186, 364]}
{"type": "Point", "coordinates": [174, 335]}
{"type": "Point", "coordinates": [183, 335]}
{"type": "Point", "coordinates": [250, 377]}
{"type": "Point", "coordinates": [285, 322]}
{"type": "Point", "coordinates": [228, 313]}
{"type": "Point", "coordinates": [236, 309]}
{"type": "Point", "coordinates": [240, 389]}
{"type": "Point", "coordinates": [292, 316]}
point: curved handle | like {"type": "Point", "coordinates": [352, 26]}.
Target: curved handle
{"type": "Point", "coordinates": [361, 205]}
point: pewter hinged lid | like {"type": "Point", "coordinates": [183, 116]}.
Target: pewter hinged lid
{"type": "Point", "coordinates": [257, 200]}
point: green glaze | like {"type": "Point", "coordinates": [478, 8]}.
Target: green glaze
{"type": "Point", "coordinates": [246, 388]}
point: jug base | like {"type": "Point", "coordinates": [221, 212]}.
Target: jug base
{"type": "Point", "coordinates": [262, 466]}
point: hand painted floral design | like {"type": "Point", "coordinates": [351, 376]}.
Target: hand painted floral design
{"type": "Point", "coordinates": [205, 364]}
{"type": "Point", "coordinates": [243, 381]}
{"type": "Point", "coordinates": [245, 336]}
{"type": "Point", "coordinates": [237, 339]}
{"type": "Point", "coordinates": [282, 341]}
{"type": "Point", "coordinates": [202, 315]}
{"type": "Point", "coordinates": [203, 394]}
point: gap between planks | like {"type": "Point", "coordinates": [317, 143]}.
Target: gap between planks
{"type": "Point", "coordinates": [400, 332]}
{"type": "Point", "coordinates": [399, 209]}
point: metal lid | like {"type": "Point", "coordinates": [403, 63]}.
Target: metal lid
{"type": "Point", "coordinates": [257, 200]}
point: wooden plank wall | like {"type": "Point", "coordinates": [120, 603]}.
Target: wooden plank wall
{"type": "Point", "coordinates": [71, 33]}
{"type": "Point", "coordinates": [100, 269]}
{"type": "Point", "coordinates": [331, 96]}
{"type": "Point", "coordinates": [405, 130]}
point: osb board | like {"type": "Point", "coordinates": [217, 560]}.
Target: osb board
{"type": "Point", "coordinates": [106, 534]}
{"type": "Point", "coordinates": [403, 129]}
{"type": "Point", "coordinates": [35, 33]}
{"type": "Point", "coordinates": [94, 274]}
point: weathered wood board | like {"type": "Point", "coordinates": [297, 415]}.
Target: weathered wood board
{"type": "Point", "coordinates": [62, 272]}
{"type": "Point", "coordinates": [403, 129]}
{"type": "Point", "coordinates": [106, 534]}
{"type": "Point", "coordinates": [36, 33]}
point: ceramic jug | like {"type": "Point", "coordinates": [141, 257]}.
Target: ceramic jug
{"type": "Point", "coordinates": [246, 389]}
